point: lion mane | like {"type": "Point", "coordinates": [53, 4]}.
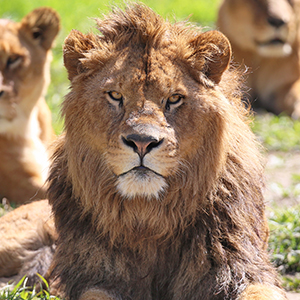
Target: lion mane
{"type": "Point", "coordinates": [156, 183]}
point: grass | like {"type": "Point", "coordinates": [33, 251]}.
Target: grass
{"type": "Point", "coordinates": [5, 207]}
{"type": "Point", "coordinates": [285, 239]}
{"type": "Point", "coordinates": [281, 133]}
{"type": "Point", "coordinates": [277, 133]}
{"type": "Point", "coordinates": [284, 245]}
{"type": "Point", "coordinates": [21, 292]}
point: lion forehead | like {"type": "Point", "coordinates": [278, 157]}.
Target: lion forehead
{"type": "Point", "coordinates": [137, 65]}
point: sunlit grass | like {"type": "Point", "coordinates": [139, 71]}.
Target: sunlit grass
{"type": "Point", "coordinates": [284, 244]}
{"type": "Point", "coordinates": [22, 292]}
{"type": "Point", "coordinates": [277, 132]}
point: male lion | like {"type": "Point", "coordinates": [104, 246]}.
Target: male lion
{"type": "Point", "coordinates": [264, 35]}
{"type": "Point", "coordinates": [25, 119]}
{"type": "Point", "coordinates": [156, 185]}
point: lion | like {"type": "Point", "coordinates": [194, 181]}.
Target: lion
{"type": "Point", "coordinates": [264, 35]}
{"type": "Point", "coordinates": [156, 183]}
{"type": "Point", "coordinates": [27, 245]}
{"type": "Point", "coordinates": [25, 119]}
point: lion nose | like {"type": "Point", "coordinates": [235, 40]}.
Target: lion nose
{"type": "Point", "coordinates": [141, 144]}
{"type": "Point", "coordinates": [276, 22]}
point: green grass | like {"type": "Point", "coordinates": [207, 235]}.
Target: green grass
{"type": "Point", "coordinates": [285, 239]}
{"type": "Point", "coordinates": [77, 14]}
{"type": "Point", "coordinates": [21, 292]}
{"type": "Point", "coordinates": [284, 245]}
{"type": "Point", "coordinates": [277, 133]}
{"type": "Point", "coordinates": [5, 208]}
{"type": "Point", "coordinates": [281, 133]}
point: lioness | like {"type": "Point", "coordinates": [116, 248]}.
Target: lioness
{"type": "Point", "coordinates": [27, 236]}
{"type": "Point", "coordinates": [25, 119]}
{"type": "Point", "coordinates": [156, 184]}
{"type": "Point", "coordinates": [264, 35]}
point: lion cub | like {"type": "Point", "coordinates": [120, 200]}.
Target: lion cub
{"type": "Point", "coordinates": [25, 119]}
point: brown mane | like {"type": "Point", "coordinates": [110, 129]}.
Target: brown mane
{"type": "Point", "coordinates": [213, 204]}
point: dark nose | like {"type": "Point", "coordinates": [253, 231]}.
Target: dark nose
{"type": "Point", "coordinates": [141, 144]}
{"type": "Point", "coordinates": [1, 93]}
{"type": "Point", "coordinates": [275, 22]}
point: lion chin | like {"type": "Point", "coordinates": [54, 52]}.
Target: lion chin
{"type": "Point", "coordinates": [141, 181]}
{"type": "Point", "coordinates": [274, 48]}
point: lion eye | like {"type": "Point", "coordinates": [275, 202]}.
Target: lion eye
{"type": "Point", "coordinates": [14, 61]}
{"type": "Point", "coordinates": [115, 96]}
{"type": "Point", "coordinates": [175, 100]}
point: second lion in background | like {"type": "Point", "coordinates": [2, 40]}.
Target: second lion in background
{"type": "Point", "coordinates": [264, 35]}
{"type": "Point", "coordinates": [25, 119]}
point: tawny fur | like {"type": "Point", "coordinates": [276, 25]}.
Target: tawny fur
{"type": "Point", "coordinates": [25, 119]}
{"type": "Point", "coordinates": [156, 104]}
{"type": "Point", "coordinates": [264, 36]}
{"type": "Point", "coordinates": [27, 236]}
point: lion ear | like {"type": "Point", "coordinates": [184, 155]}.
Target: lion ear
{"type": "Point", "coordinates": [41, 26]}
{"type": "Point", "coordinates": [75, 47]}
{"type": "Point", "coordinates": [212, 54]}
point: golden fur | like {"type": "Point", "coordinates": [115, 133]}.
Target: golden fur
{"type": "Point", "coordinates": [156, 184]}
{"type": "Point", "coordinates": [25, 119]}
{"type": "Point", "coordinates": [27, 237]}
{"type": "Point", "coordinates": [264, 35]}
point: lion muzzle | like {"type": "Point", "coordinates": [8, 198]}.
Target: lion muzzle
{"type": "Point", "coordinates": [141, 144]}
{"type": "Point", "coordinates": [141, 179]}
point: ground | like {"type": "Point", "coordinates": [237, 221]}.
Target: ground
{"type": "Point", "coordinates": [283, 184]}
{"type": "Point", "coordinates": [283, 179]}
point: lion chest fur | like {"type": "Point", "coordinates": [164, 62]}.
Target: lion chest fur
{"type": "Point", "coordinates": [156, 183]}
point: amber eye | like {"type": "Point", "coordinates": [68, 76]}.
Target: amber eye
{"type": "Point", "coordinates": [14, 61]}
{"type": "Point", "coordinates": [175, 100]}
{"type": "Point", "coordinates": [115, 96]}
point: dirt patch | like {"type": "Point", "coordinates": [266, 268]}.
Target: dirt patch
{"type": "Point", "coordinates": [283, 179]}
{"type": "Point", "coordinates": [293, 296]}
{"type": "Point", "coordinates": [283, 184]}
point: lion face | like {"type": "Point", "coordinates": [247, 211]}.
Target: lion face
{"type": "Point", "coordinates": [140, 106]}
{"type": "Point", "coordinates": [265, 27]}
{"type": "Point", "coordinates": [144, 151]}
{"type": "Point", "coordinates": [24, 62]}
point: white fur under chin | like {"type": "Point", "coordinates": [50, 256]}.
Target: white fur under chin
{"type": "Point", "coordinates": [147, 185]}
{"type": "Point", "coordinates": [275, 50]}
